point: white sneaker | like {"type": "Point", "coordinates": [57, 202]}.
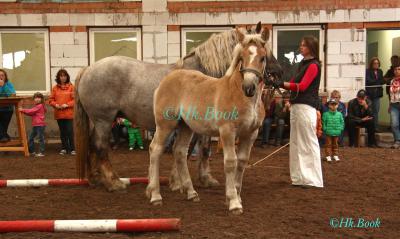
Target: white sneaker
{"type": "Point", "coordinates": [328, 158]}
{"type": "Point", "coordinates": [73, 152]}
{"type": "Point", "coordinates": [131, 148]}
{"type": "Point", "coordinates": [336, 158]}
{"type": "Point", "coordinates": [63, 151]}
{"type": "Point", "coordinates": [39, 155]}
{"type": "Point", "coordinates": [141, 147]}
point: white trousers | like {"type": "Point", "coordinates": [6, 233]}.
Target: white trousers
{"type": "Point", "coordinates": [305, 157]}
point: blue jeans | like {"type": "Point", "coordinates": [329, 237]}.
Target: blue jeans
{"type": "Point", "coordinates": [280, 127]}
{"type": "Point", "coordinates": [376, 105]}
{"type": "Point", "coordinates": [266, 129]}
{"type": "Point", "coordinates": [36, 131]}
{"type": "Point", "coordinates": [395, 116]}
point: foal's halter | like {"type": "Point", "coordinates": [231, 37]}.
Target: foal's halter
{"type": "Point", "coordinates": [260, 75]}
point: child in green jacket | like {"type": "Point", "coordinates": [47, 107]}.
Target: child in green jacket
{"type": "Point", "coordinates": [332, 125]}
{"type": "Point", "coordinates": [133, 134]}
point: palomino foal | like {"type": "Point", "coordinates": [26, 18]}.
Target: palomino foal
{"type": "Point", "coordinates": [228, 107]}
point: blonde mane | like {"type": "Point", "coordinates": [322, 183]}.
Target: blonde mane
{"type": "Point", "coordinates": [216, 53]}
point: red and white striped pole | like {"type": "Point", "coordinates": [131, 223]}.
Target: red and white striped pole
{"type": "Point", "coordinates": [68, 181]}
{"type": "Point", "coordinates": [109, 225]}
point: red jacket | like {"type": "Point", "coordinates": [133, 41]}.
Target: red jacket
{"type": "Point", "coordinates": [38, 114]}
{"type": "Point", "coordinates": [63, 94]}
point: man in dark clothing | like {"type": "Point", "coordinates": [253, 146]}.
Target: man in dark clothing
{"type": "Point", "coordinates": [390, 73]}
{"type": "Point", "coordinates": [360, 114]}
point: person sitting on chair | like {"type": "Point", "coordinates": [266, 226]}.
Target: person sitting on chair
{"type": "Point", "coordinates": [360, 114]}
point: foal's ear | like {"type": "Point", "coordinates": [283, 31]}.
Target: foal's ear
{"type": "Point", "coordinates": [265, 34]}
{"type": "Point", "coordinates": [240, 35]}
{"type": "Point", "coordinates": [258, 27]}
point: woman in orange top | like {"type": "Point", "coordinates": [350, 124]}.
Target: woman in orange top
{"type": "Point", "coordinates": [62, 100]}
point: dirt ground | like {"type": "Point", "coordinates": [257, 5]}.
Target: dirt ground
{"type": "Point", "coordinates": [364, 184]}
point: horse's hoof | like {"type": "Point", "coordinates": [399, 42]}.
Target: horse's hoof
{"type": "Point", "coordinates": [208, 181]}
{"type": "Point", "coordinates": [175, 187]}
{"type": "Point", "coordinates": [194, 199]}
{"type": "Point", "coordinates": [237, 211]}
{"type": "Point", "coordinates": [175, 184]}
{"type": "Point", "coordinates": [156, 203]}
{"type": "Point", "coordinates": [117, 185]}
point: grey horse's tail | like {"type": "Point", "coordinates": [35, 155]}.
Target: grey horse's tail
{"type": "Point", "coordinates": [81, 131]}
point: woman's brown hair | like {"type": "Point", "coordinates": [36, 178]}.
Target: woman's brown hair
{"type": "Point", "coordinates": [5, 73]}
{"type": "Point", "coordinates": [371, 62]}
{"type": "Point", "coordinates": [62, 72]}
{"type": "Point", "coordinates": [313, 45]}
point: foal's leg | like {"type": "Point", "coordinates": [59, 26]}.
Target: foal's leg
{"type": "Point", "coordinates": [174, 178]}
{"type": "Point", "coordinates": [230, 163]}
{"type": "Point", "coordinates": [205, 177]}
{"type": "Point", "coordinates": [245, 146]}
{"type": "Point", "coordinates": [156, 149]}
{"type": "Point", "coordinates": [101, 146]}
{"type": "Point", "coordinates": [180, 154]}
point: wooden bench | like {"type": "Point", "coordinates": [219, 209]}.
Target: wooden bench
{"type": "Point", "coordinates": [357, 141]}
{"type": "Point", "coordinates": [20, 144]}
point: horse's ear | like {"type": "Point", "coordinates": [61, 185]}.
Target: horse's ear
{"type": "Point", "coordinates": [265, 34]}
{"type": "Point", "coordinates": [240, 35]}
{"type": "Point", "coordinates": [258, 27]}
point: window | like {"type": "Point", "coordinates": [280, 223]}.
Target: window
{"type": "Point", "coordinates": [192, 37]}
{"type": "Point", "coordinates": [25, 57]}
{"type": "Point", "coordinates": [106, 42]}
{"type": "Point", "coordinates": [286, 44]}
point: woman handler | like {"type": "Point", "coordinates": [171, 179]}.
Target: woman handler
{"type": "Point", "coordinates": [305, 161]}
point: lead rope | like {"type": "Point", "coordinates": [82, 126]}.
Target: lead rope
{"type": "Point", "coordinates": [268, 156]}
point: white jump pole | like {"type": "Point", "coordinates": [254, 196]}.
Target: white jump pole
{"type": "Point", "coordinates": [109, 225]}
{"type": "Point", "coordinates": [68, 181]}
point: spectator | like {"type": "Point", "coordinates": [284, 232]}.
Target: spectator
{"type": "Point", "coordinates": [395, 106]}
{"type": "Point", "coordinates": [38, 113]}
{"type": "Point", "coordinates": [6, 112]}
{"type": "Point", "coordinates": [394, 60]}
{"type": "Point", "coordinates": [266, 127]}
{"type": "Point", "coordinates": [333, 125]}
{"type": "Point", "coordinates": [118, 131]}
{"type": "Point", "coordinates": [323, 102]}
{"type": "Point", "coordinates": [373, 84]}
{"type": "Point", "coordinates": [335, 94]}
{"type": "Point", "coordinates": [62, 100]}
{"type": "Point", "coordinates": [360, 114]}
{"type": "Point", "coordinates": [134, 135]}
{"type": "Point", "coordinates": [281, 116]}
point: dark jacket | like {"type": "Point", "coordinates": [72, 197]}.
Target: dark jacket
{"type": "Point", "coordinates": [310, 95]}
{"type": "Point", "coordinates": [356, 112]}
{"type": "Point", "coordinates": [372, 79]}
{"type": "Point", "coordinates": [390, 75]}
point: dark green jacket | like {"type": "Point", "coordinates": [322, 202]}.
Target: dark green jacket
{"type": "Point", "coordinates": [332, 123]}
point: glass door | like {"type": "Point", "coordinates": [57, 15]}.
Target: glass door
{"type": "Point", "coordinates": [286, 42]}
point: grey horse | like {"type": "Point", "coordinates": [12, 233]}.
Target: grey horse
{"type": "Point", "coordinates": [120, 85]}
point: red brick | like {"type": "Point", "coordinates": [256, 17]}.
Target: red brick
{"type": "Point", "coordinates": [173, 28]}
{"type": "Point", "coordinates": [93, 7]}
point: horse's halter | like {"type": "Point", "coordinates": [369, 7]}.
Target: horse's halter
{"type": "Point", "coordinates": [260, 75]}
